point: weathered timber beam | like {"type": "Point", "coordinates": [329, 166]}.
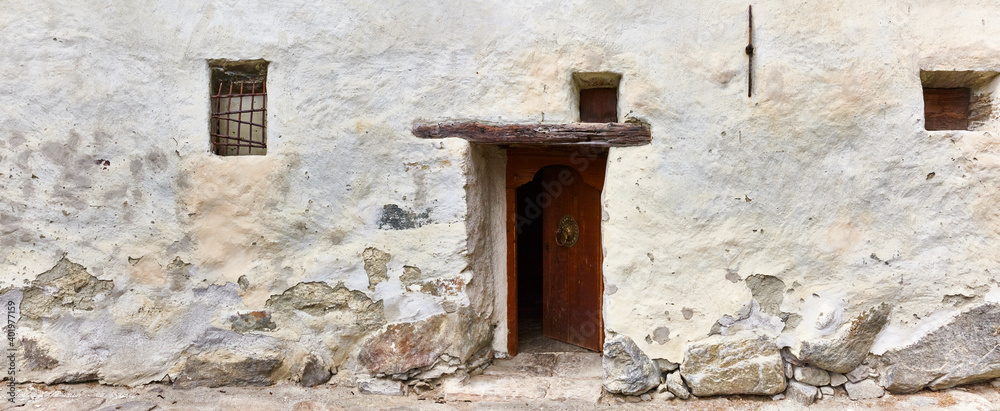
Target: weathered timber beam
{"type": "Point", "coordinates": [602, 134]}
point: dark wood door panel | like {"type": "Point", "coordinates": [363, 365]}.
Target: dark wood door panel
{"type": "Point", "coordinates": [571, 268]}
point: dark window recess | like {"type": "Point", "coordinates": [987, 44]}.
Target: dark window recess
{"type": "Point", "coordinates": [599, 105]}
{"type": "Point", "coordinates": [239, 107]}
{"type": "Point", "coordinates": [946, 108]}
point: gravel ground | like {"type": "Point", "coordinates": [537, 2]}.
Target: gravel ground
{"type": "Point", "coordinates": [81, 397]}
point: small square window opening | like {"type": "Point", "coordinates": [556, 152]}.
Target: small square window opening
{"type": "Point", "coordinates": [946, 108]}
{"type": "Point", "coordinates": [599, 105]}
{"type": "Point", "coordinates": [239, 107]}
{"type": "Point", "coordinates": [598, 96]}
{"type": "Point", "coordinates": [960, 100]}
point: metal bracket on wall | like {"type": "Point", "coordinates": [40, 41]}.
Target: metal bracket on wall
{"type": "Point", "coordinates": [749, 51]}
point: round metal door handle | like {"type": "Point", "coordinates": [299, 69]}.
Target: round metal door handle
{"type": "Point", "coordinates": [567, 232]}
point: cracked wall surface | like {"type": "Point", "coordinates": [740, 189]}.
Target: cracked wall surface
{"type": "Point", "coordinates": [136, 255]}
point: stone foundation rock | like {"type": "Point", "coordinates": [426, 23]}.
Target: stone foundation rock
{"type": "Point", "coordinates": [859, 373]}
{"type": "Point", "coordinates": [314, 372]}
{"type": "Point", "coordinates": [405, 350]}
{"type": "Point", "coordinates": [627, 370]}
{"type": "Point", "coordinates": [222, 368]}
{"type": "Point", "coordinates": [849, 346]}
{"type": "Point", "coordinates": [252, 321]}
{"type": "Point", "coordinates": [827, 391]}
{"type": "Point", "coordinates": [804, 394]}
{"type": "Point", "coordinates": [675, 384]}
{"type": "Point", "coordinates": [961, 352]}
{"type": "Point", "coordinates": [812, 376]}
{"type": "Point", "coordinates": [837, 379]}
{"type": "Point", "coordinates": [864, 390]}
{"type": "Point", "coordinates": [745, 363]}
{"type": "Point", "coordinates": [380, 386]}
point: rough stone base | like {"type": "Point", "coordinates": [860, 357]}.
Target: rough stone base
{"type": "Point", "coordinates": [744, 363]}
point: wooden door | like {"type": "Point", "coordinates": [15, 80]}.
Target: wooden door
{"type": "Point", "coordinates": [571, 254]}
{"type": "Point", "coordinates": [572, 294]}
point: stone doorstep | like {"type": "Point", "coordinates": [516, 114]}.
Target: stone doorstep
{"type": "Point", "coordinates": [574, 376]}
{"type": "Point", "coordinates": [570, 365]}
{"type": "Point", "coordinates": [522, 365]}
{"type": "Point", "coordinates": [561, 389]}
{"type": "Point", "coordinates": [489, 388]}
{"type": "Point", "coordinates": [579, 365]}
{"type": "Point", "coordinates": [494, 388]}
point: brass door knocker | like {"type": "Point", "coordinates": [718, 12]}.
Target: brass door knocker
{"type": "Point", "coordinates": [567, 232]}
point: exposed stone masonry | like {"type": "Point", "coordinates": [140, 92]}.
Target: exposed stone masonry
{"type": "Point", "coordinates": [749, 362]}
{"type": "Point", "coordinates": [67, 286]}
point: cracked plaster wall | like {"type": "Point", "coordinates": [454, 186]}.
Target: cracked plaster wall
{"type": "Point", "coordinates": [822, 180]}
{"type": "Point", "coordinates": [105, 160]}
{"type": "Point", "coordinates": [819, 181]}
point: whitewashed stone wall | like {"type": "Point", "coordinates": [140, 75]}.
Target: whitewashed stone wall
{"type": "Point", "coordinates": [815, 197]}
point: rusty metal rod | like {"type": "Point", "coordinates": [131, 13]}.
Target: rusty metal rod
{"type": "Point", "coordinates": [749, 50]}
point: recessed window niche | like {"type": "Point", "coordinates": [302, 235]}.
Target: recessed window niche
{"type": "Point", "coordinates": [239, 107]}
{"type": "Point", "coordinates": [960, 100]}
{"type": "Point", "coordinates": [598, 96]}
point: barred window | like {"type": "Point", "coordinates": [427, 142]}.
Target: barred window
{"type": "Point", "coordinates": [239, 107]}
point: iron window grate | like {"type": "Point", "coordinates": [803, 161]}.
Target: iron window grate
{"type": "Point", "coordinates": [238, 121]}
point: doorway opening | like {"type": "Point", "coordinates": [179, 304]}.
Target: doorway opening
{"type": "Point", "coordinates": [529, 265]}
{"type": "Point", "coordinates": [555, 283]}
{"type": "Point", "coordinates": [531, 199]}
{"type": "Point", "coordinates": [529, 260]}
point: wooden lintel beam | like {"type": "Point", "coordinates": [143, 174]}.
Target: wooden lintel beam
{"type": "Point", "coordinates": [600, 134]}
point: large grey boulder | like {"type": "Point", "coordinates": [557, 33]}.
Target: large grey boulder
{"type": "Point", "coordinates": [627, 370]}
{"type": "Point", "coordinates": [745, 363]}
{"type": "Point", "coordinates": [843, 351]}
{"type": "Point", "coordinates": [961, 352]}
